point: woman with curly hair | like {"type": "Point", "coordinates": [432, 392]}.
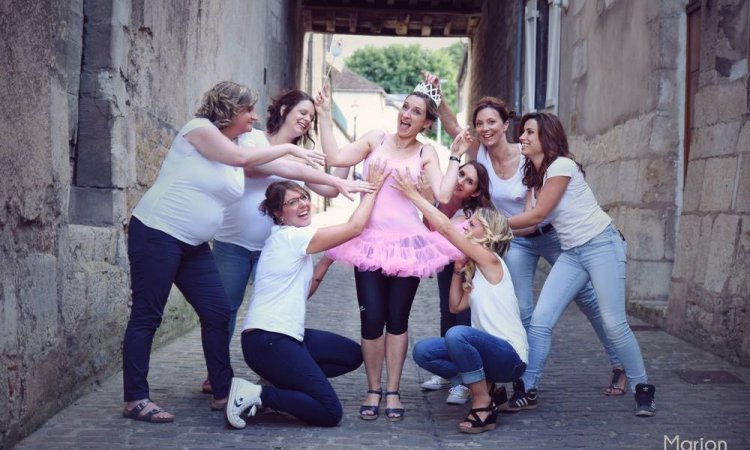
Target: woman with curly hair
{"type": "Point", "coordinates": [494, 348]}
{"type": "Point", "coordinates": [168, 238]}
{"type": "Point", "coordinates": [237, 244]}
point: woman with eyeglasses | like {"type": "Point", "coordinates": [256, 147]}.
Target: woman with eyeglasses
{"type": "Point", "coordinates": [169, 232]}
{"type": "Point", "coordinates": [237, 245]}
{"type": "Point", "coordinates": [295, 360]}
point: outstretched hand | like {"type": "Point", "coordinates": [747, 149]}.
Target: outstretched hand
{"type": "Point", "coordinates": [348, 187]}
{"type": "Point", "coordinates": [311, 157]}
{"type": "Point", "coordinates": [461, 143]}
{"type": "Point", "coordinates": [323, 101]}
{"type": "Point", "coordinates": [424, 187]}
{"type": "Point", "coordinates": [376, 173]}
{"type": "Point", "coordinates": [406, 184]}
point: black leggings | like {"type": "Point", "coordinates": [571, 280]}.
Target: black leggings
{"type": "Point", "coordinates": [384, 301]}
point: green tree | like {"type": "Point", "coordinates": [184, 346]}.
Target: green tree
{"type": "Point", "coordinates": [398, 68]}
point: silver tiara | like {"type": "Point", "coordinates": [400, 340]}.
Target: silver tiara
{"type": "Point", "coordinates": [431, 91]}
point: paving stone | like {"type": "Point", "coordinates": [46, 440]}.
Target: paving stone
{"type": "Point", "coordinates": [572, 412]}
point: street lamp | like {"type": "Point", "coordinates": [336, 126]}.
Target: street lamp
{"type": "Point", "coordinates": [354, 108]}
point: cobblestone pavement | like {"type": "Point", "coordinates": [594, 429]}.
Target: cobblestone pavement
{"type": "Point", "coordinates": [572, 413]}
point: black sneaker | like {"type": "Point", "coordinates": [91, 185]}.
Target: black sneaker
{"type": "Point", "coordinates": [644, 400]}
{"type": "Point", "coordinates": [522, 399]}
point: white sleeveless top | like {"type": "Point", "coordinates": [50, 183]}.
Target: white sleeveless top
{"type": "Point", "coordinates": [508, 196]}
{"type": "Point", "coordinates": [187, 200]}
{"type": "Point", "coordinates": [494, 310]}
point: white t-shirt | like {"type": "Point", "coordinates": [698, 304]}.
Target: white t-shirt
{"type": "Point", "coordinates": [494, 310]}
{"type": "Point", "coordinates": [282, 282]}
{"type": "Point", "coordinates": [508, 196]}
{"type": "Point", "coordinates": [187, 200]}
{"type": "Point", "coordinates": [578, 216]}
{"type": "Point", "coordinates": [243, 223]}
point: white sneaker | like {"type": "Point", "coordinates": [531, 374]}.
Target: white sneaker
{"type": "Point", "coordinates": [458, 395]}
{"type": "Point", "coordinates": [242, 395]}
{"type": "Point", "coordinates": [436, 383]}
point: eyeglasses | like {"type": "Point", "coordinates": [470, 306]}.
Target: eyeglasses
{"type": "Point", "coordinates": [292, 203]}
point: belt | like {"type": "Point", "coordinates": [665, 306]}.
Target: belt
{"type": "Point", "coordinates": [541, 231]}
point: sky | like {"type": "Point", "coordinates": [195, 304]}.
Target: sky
{"type": "Point", "coordinates": [351, 43]}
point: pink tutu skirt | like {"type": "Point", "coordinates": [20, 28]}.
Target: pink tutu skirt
{"type": "Point", "coordinates": [397, 254]}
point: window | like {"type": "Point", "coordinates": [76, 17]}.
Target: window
{"type": "Point", "coordinates": [542, 53]}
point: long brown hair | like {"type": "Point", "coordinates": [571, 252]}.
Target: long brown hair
{"type": "Point", "coordinates": [554, 144]}
{"type": "Point", "coordinates": [483, 200]}
{"type": "Point", "coordinates": [282, 105]}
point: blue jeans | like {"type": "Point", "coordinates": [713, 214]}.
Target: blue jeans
{"type": "Point", "coordinates": [156, 261]}
{"type": "Point", "coordinates": [467, 355]}
{"type": "Point", "coordinates": [522, 258]}
{"type": "Point", "coordinates": [235, 264]}
{"type": "Point", "coordinates": [447, 318]}
{"type": "Point", "coordinates": [299, 371]}
{"type": "Point", "coordinates": [602, 261]}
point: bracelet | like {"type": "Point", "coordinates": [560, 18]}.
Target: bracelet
{"type": "Point", "coordinates": [455, 158]}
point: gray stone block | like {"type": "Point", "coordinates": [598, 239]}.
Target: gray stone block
{"type": "Point", "coordinates": [721, 256]}
{"type": "Point", "coordinates": [691, 195]}
{"type": "Point", "coordinates": [715, 140]}
{"type": "Point", "coordinates": [718, 184]}
{"type": "Point", "coordinates": [91, 206]}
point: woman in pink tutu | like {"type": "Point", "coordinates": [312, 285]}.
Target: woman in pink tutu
{"type": "Point", "coordinates": [395, 249]}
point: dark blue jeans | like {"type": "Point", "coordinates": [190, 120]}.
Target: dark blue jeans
{"type": "Point", "coordinates": [299, 371]}
{"type": "Point", "coordinates": [447, 318]}
{"type": "Point", "coordinates": [156, 261]}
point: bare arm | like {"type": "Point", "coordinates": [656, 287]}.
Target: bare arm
{"type": "Point", "coordinates": [297, 171]}
{"type": "Point", "coordinates": [485, 259]}
{"type": "Point", "coordinates": [548, 198]}
{"type": "Point", "coordinates": [321, 268]}
{"type": "Point", "coordinates": [458, 299]}
{"type": "Point", "coordinates": [443, 185]}
{"type": "Point", "coordinates": [331, 191]}
{"type": "Point", "coordinates": [349, 154]}
{"type": "Point", "coordinates": [213, 145]}
{"type": "Point", "coordinates": [329, 237]}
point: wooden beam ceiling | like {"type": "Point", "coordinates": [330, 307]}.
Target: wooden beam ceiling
{"type": "Point", "coordinates": [436, 18]}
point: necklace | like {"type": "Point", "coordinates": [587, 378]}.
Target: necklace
{"type": "Point", "coordinates": [501, 163]}
{"type": "Point", "coordinates": [399, 145]}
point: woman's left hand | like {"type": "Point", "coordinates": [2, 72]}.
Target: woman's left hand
{"type": "Point", "coordinates": [348, 187]}
{"type": "Point", "coordinates": [376, 173]}
{"type": "Point", "coordinates": [461, 143]}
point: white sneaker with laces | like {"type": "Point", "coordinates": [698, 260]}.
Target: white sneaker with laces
{"type": "Point", "coordinates": [436, 383]}
{"type": "Point", "coordinates": [458, 395]}
{"type": "Point", "coordinates": [242, 395]}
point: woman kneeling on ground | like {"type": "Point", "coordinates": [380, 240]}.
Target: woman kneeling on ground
{"type": "Point", "coordinates": [295, 360]}
{"type": "Point", "coordinates": [494, 348]}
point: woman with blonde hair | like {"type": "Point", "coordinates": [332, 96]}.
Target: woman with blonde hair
{"type": "Point", "coordinates": [169, 232]}
{"type": "Point", "coordinates": [494, 348]}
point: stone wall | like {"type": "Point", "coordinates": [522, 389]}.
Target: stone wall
{"type": "Point", "coordinates": [93, 92]}
{"type": "Point", "coordinates": [622, 101]}
{"type": "Point", "coordinates": [710, 291]}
